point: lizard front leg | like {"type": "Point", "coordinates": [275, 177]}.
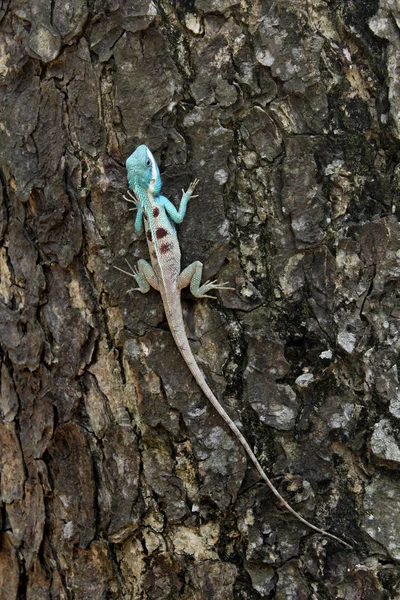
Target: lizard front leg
{"type": "Point", "coordinates": [192, 275]}
{"type": "Point", "coordinates": [144, 276]}
{"type": "Point", "coordinates": [178, 215]}
{"type": "Point", "coordinates": [133, 198]}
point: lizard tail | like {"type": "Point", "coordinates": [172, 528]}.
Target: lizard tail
{"type": "Point", "coordinates": [178, 331]}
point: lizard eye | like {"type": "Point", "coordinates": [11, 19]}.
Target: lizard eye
{"type": "Point", "coordinates": [148, 162]}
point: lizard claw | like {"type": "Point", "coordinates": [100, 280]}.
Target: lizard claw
{"type": "Point", "coordinates": [123, 271]}
{"type": "Point", "coordinates": [133, 272]}
{"type": "Point", "coordinates": [223, 286]}
{"type": "Point", "coordinates": [193, 185]}
{"type": "Point", "coordinates": [133, 269]}
{"type": "Point", "coordinates": [218, 286]}
{"type": "Point", "coordinates": [190, 189]}
{"type": "Point", "coordinates": [133, 198]}
{"type": "Point", "coordinates": [211, 285]}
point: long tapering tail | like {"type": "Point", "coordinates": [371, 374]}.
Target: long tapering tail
{"type": "Point", "coordinates": [177, 327]}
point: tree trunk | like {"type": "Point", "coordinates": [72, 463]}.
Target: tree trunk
{"type": "Point", "coordinates": [118, 479]}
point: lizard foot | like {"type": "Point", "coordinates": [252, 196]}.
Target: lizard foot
{"type": "Point", "coordinates": [191, 189]}
{"type": "Point", "coordinates": [132, 273]}
{"type": "Point", "coordinates": [132, 198]}
{"type": "Point", "coordinates": [193, 185]}
{"type": "Point", "coordinates": [211, 285]}
{"type": "Point", "coordinates": [143, 274]}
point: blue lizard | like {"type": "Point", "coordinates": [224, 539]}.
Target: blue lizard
{"type": "Point", "coordinates": [164, 274]}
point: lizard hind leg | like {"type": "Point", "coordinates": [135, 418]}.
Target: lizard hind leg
{"type": "Point", "coordinates": [191, 275]}
{"type": "Point", "coordinates": [144, 276]}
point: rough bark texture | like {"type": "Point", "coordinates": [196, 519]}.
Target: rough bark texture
{"type": "Point", "coordinates": [117, 478]}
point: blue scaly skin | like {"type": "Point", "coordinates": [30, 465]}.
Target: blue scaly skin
{"type": "Point", "coordinates": [164, 274]}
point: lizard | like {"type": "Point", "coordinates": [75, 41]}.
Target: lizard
{"type": "Point", "coordinates": [159, 215]}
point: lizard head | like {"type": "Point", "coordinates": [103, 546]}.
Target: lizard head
{"type": "Point", "coordinates": [143, 173]}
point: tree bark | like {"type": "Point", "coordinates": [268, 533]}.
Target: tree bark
{"type": "Point", "coordinates": [118, 480]}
